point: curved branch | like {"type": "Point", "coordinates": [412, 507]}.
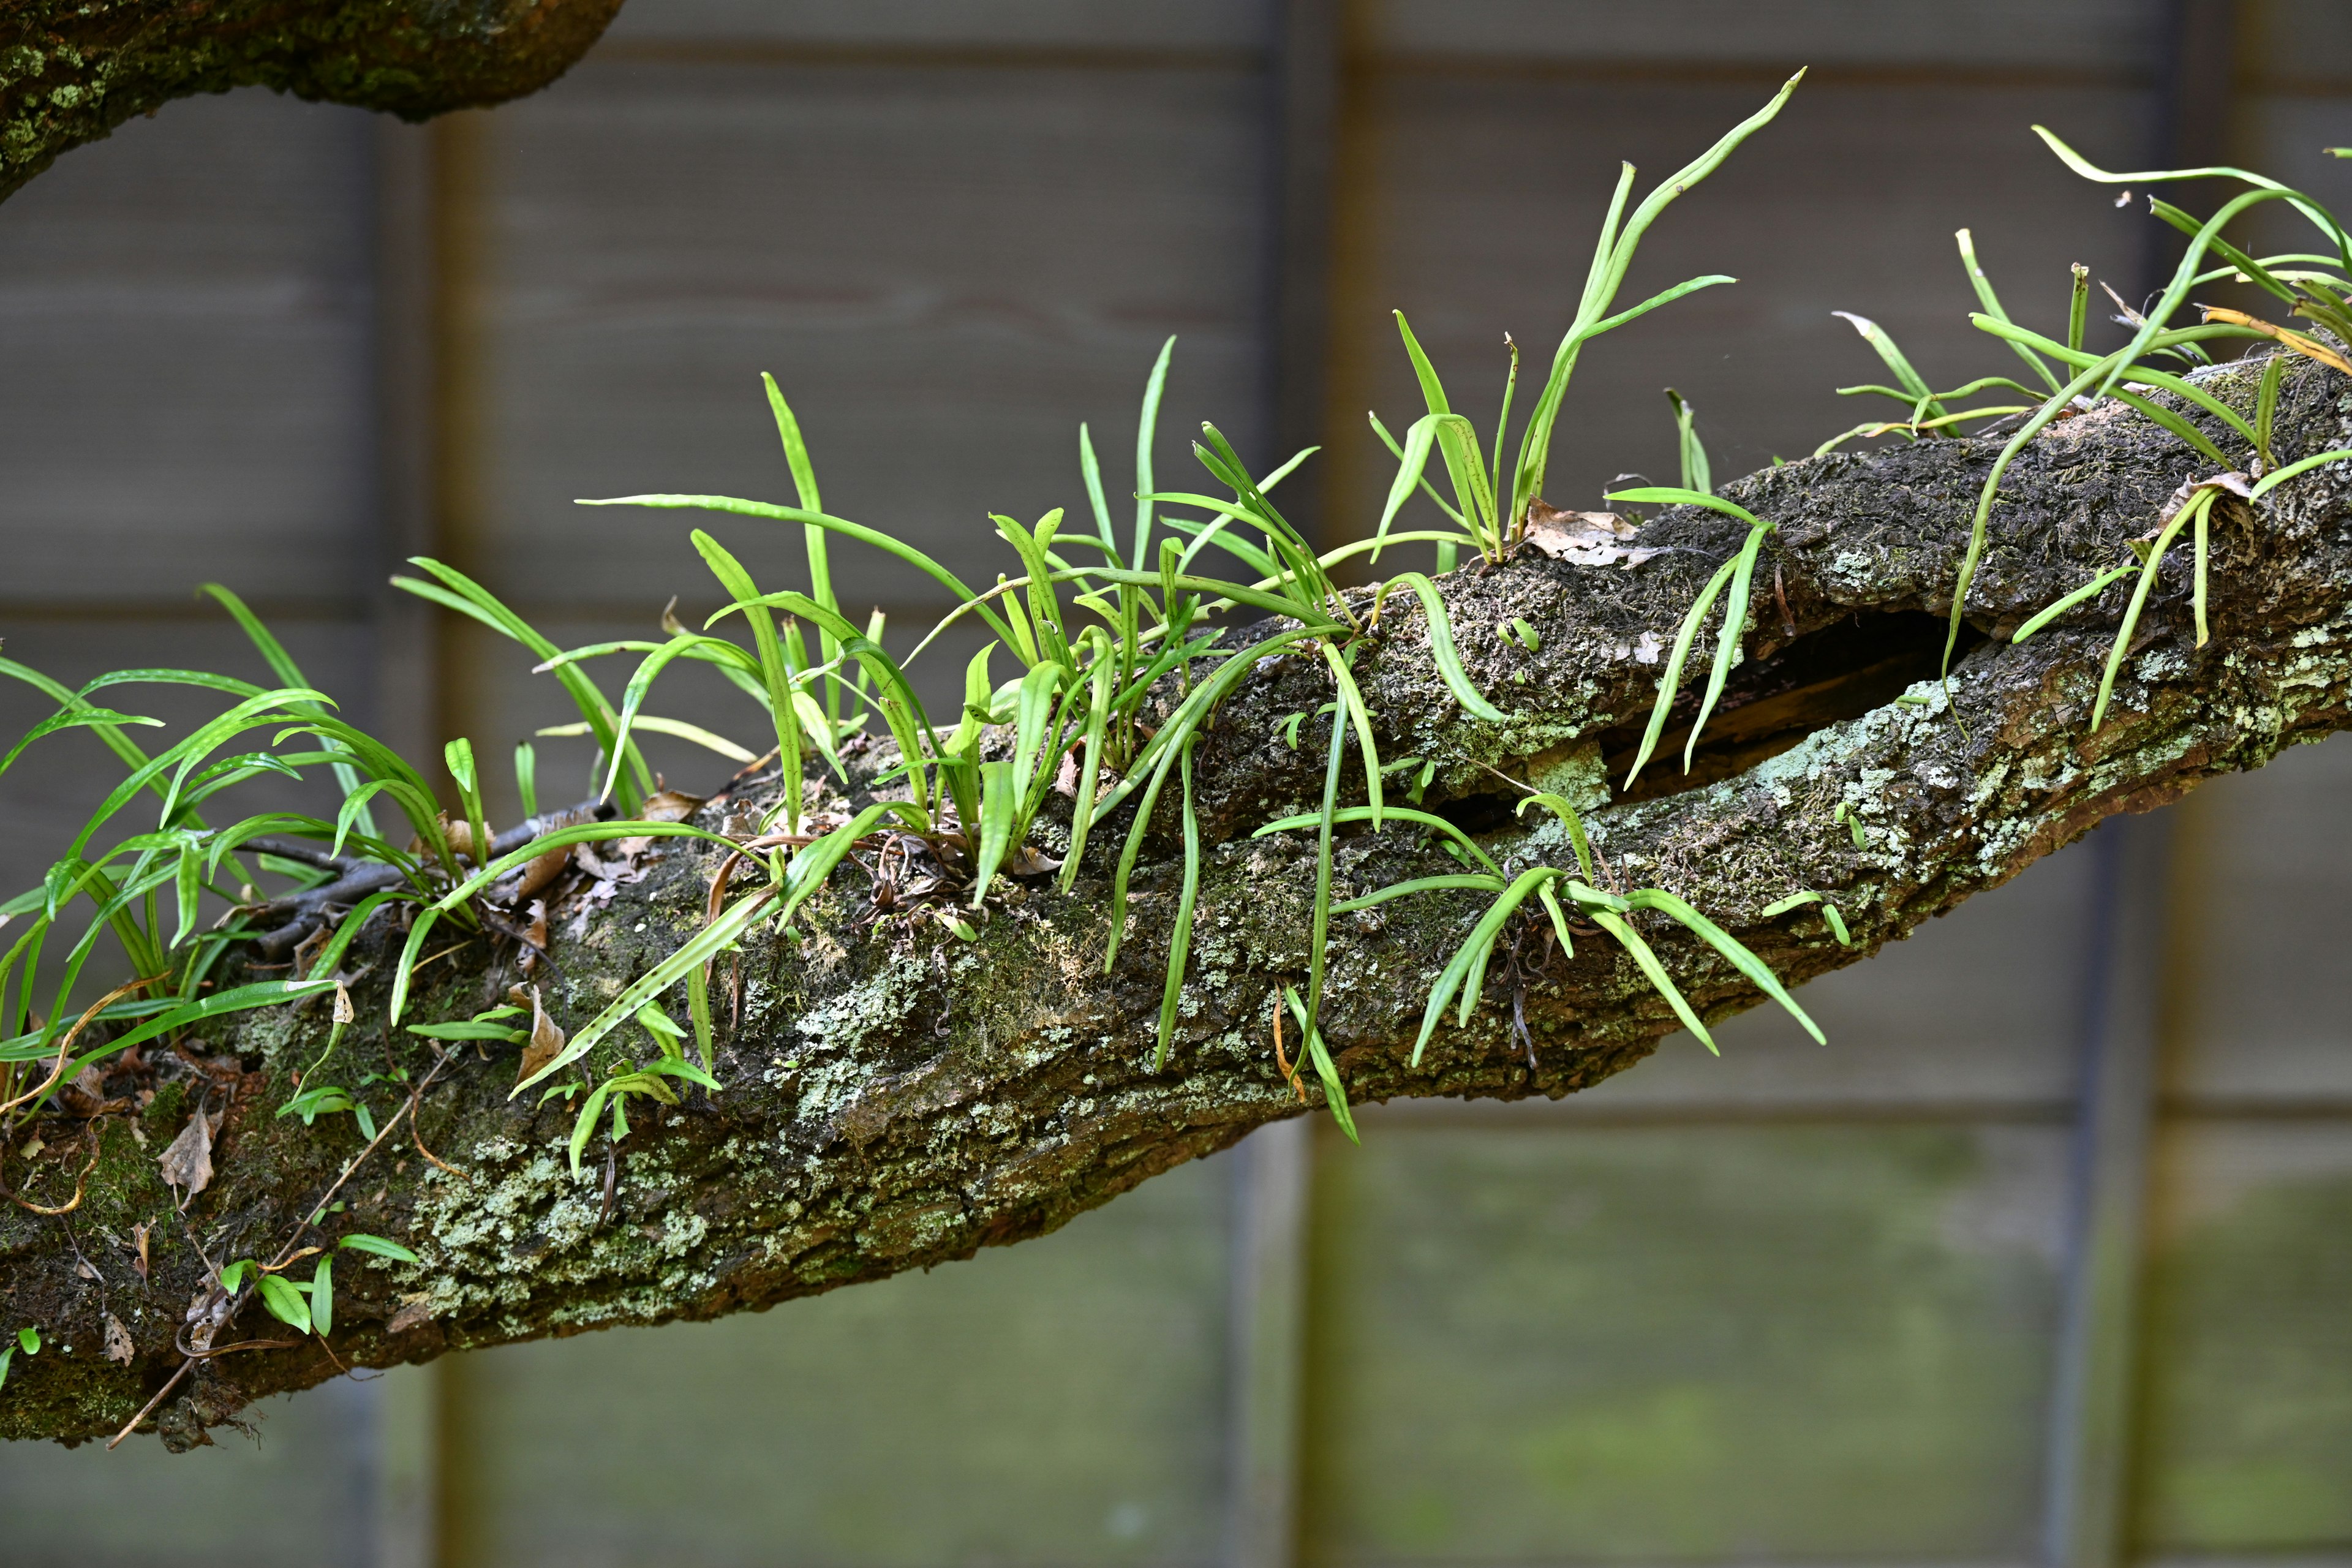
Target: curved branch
{"type": "Point", "coordinates": [894, 1097]}
{"type": "Point", "coordinates": [72, 70]}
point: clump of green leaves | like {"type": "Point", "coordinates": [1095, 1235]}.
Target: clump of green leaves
{"type": "Point", "coordinates": [306, 1306]}
{"type": "Point", "coordinates": [1489, 508]}
{"type": "Point", "coordinates": [2317, 286]}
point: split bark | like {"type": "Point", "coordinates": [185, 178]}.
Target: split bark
{"type": "Point", "coordinates": [894, 1097]}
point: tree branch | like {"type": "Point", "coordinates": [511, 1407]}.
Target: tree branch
{"type": "Point", "coordinates": [74, 70]}
{"type": "Point", "coordinates": [894, 1097]}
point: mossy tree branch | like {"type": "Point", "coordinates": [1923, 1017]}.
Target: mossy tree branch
{"type": "Point", "coordinates": [72, 70]}
{"type": "Point", "coordinates": [894, 1097]}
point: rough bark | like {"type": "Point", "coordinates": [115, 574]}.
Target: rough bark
{"type": "Point", "coordinates": [895, 1098]}
{"type": "Point", "coordinates": [72, 70]}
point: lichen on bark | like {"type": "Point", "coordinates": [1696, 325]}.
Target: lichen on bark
{"type": "Point", "coordinates": [894, 1097]}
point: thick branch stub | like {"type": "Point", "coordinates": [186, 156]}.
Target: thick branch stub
{"type": "Point", "coordinates": [72, 70]}
{"type": "Point", "coordinates": [895, 1098]}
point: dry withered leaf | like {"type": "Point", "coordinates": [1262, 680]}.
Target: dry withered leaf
{"type": "Point", "coordinates": [545, 1040]}
{"type": "Point", "coordinates": [1029, 861]}
{"type": "Point", "coordinates": [118, 1341]}
{"type": "Point", "coordinates": [2233, 483]}
{"type": "Point", "coordinates": [414, 1314]}
{"type": "Point", "coordinates": [670, 806]}
{"type": "Point", "coordinates": [540, 873]}
{"type": "Point", "coordinates": [87, 1271]}
{"type": "Point", "coordinates": [188, 1163]}
{"type": "Point", "coordinates": [1583, 537]}
{"type": "Point", "coordinates": [138, 1239]}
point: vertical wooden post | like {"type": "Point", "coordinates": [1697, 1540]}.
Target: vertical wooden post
{"type": "Point", "coordinates": [1272, 1177]}
{"type": "Point", "coordinates": [2087, 1495]}
{"type": "Point", "coordinates": [1305, 91]}
{"type": "Point", "coordinates": [407, 339]}
{"type": "Point", "coordinates": [410, 293]}
{"type": "Point", "coordinates": [2090, 1412]}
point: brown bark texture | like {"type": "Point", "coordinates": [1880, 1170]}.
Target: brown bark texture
{"type": "Point", "coordinates": [895, 1096]}
{"type": "Point", "coordinates": [72, 70]}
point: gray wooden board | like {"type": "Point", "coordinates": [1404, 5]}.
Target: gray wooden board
{"type": "Point", "coordinates": [2247, 1422]}
{"type": "Point", "coordinates": [1001, 23]}
{"type": "Point", "coordinates": [2096, 36]}
{"type": "Point", "coordinates": [2299, 43]}
{"type": "Point", "coordinates": [2268, 1007]}
{"type": "Point", "coordinates": [185, 312]}
{"type": "Point", "coordinates": [947, 269]}
{"type": "Point", "coordinates": [1483, 204]}
{"type": "Point", "coordinates": [297, 1491]}
{"type": "Point", "coordinates": [1641, 1344]}
{"type": "Point", "coordinates": [1058, 1402]}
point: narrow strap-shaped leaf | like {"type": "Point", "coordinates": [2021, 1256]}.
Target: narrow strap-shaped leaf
{"type": "Point", "coordinates": [1670, 682]}
{"type": "Point", "coordinates": [1729, 638]}
{"type": "Point", "coordinates": [2089, 590]}
{"type": "Point", "coordinates": [1334, 1092]}
{"type": "Point", "coordinates": [1485, 884]}
{"type": "Point", "coordinates": [1442, 651]}
{"type": "Point", "coordinates": [2147, 571]}
{"type": "Point", "coordinates": [1655, 972]}
{"type": "Point", "coordinates": [1393, 814]}
{"type": "Point", "coordinates": [1180, 940]}
{"type": "Point", "coordinates": [1991, 302]}
{"type": "Point", "coordinates": [1758, 972]}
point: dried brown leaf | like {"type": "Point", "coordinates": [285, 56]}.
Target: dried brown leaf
{"type": "Point", "coordinates": [1029, 861]}
{"type": "Point", "coordinates": [540, 873]}
{"type": "Point", "coordinates": [1583, 537]}
{"type": "Point", "coordinates": [118, 1341]}
{"type": "Point", "coordinates": [188, 1163]}
{"type": "Point", "coordinates": [546, 1040]}
{"type": "Point", "coordinates": [138, 1239]}
{"type": "Point", "coordinates": [670, 806]}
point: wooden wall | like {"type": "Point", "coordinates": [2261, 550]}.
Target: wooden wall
{"type": "Point", "coordinates": [2043, 1260]}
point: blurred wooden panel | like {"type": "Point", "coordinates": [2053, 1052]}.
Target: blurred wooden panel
{"type": "Point", "coordinates": [947, 269]}
{"type": "Point", "coordinates": [2100, 37]}
{"type": "Point", "coordinates": [1002, 24]}
{"type": "Point", "coordinates": [1481, 196]}
{"type": "Point", "coordinates": [1059, 1403]}
{"type": "Point", "coordinates": [185, 312]}
{"type": "Point", "coordinates": [298, 1494]}
{"type": "Point", "coordinates": [1646, 1344]}
{"type": "Point", "coordinates": [2285, 135]}
{"type": "Point", "coordinates": [2248, 1401]}
{"type": "Point", "coordinates": [2298, 43]}
{"type": "Point", "coordinates": [2267, 1012]}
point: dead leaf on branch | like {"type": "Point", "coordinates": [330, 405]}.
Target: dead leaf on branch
{"type": "Point", "coordinates": [188, 1163]}
{"type": "Point", "coordinates": [545, 1043]}
{"type": "Point", "coordinates": [1584, 538]}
